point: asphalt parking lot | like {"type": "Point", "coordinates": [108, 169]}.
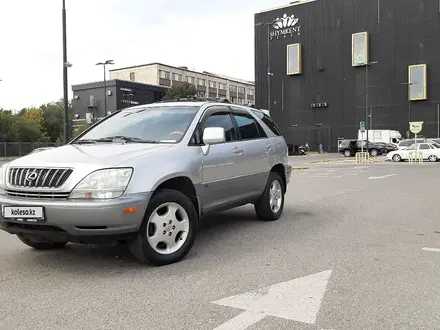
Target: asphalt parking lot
{"type": "Point", "coordinates": [358, 247]}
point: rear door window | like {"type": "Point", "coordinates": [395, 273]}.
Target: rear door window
{"type": "Point", "coordinates": [268, 122]}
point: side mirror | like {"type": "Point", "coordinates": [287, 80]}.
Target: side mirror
{"type": "Point", "coordinates": [214, 135]}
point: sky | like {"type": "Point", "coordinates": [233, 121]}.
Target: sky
{"type": "Point", "coordinates": [215, 36]}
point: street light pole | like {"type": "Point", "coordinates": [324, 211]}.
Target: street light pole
{"type": "Point", "coordinates": [65, 66]}
{"type": "Point", "coordinates": [269, 74]}
{"type": "Point", "coordinates": [108, 62]}
{"type": "Point", "coordinates": [409, 84]}
{"type": "Point", "coordinates": [366, 100]}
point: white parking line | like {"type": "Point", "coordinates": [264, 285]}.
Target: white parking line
{"type": "Point", "coordinates": [381, 177]}
{"type": "Point", "coordinates": [431, 249]}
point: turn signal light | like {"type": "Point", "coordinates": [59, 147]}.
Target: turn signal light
{"type": "Point", "coordinates": [130, 209]}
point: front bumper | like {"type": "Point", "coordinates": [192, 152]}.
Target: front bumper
{"type": "Point", "coordinates": [68, 219]}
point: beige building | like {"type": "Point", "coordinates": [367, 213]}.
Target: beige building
{"type": "Point", "coordinates": [207, 84]}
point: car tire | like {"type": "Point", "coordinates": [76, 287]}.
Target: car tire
{"type": "Point", "coordinates": [270, 205]}
{"type": "Point", "coordinates": [433, 158]}
{"type": "Point", "coordinates": [347, 153]}
{"type": "Point", "coordinates": [374, 152]}
{"type": "Point", "coordinates": [40, 244]}
{"type": "Point", "coordinates": [177, 229]}
{"type": "Point", "coordinates": [396, 158]}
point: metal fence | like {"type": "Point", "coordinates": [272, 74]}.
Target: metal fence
{"type": "Point", "coordinates": [18, 149]}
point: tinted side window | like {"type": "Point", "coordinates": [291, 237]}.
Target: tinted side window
{"type": "Point", "coordinates": [269, 122]}
{"type": "Point", "coordinates": [247, 126]}
{"type": "Point", "coordinates": [424, 146]}
{"type": "Point", "coordinates": [406, 143]}
{"type": "Point", "coordinates": [222, 119]}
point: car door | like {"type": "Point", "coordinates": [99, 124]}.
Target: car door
{"type": "Point", "coordinates": [259, 149]}
{"type": "Point", "coordinates": [425, 150]}
{"type": "Point", "coordinates": [223, 166]}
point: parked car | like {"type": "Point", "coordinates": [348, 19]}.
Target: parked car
{"type": "Point", "coordinates": [349, 148]}
{"type": "Point", "coordinates": [430, 151]}
{"type": "Point", "coordinates": [388, 147]}
{"type": "Point", "coordinates": [145, 175]}
{"type": "Point", "coordinates": [409, 142]}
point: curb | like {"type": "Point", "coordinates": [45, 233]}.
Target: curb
{"type": "Point", "coordinates": [299, 168]}
{"type": "Point", "coordinates": [344, 161]}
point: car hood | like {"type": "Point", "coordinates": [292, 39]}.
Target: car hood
{"type": "Point", "coordinates": [93, 155]}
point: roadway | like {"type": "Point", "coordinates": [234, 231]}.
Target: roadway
{"type": "Point", "coordinates": [356, 248]}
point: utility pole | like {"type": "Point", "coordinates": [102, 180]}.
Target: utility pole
{"type": "Point", "coordinates": [65, 66]}
{"type": "Point", "coordinates": [108, 62]}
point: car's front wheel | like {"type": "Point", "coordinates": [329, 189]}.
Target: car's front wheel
{"type": "Point", "coordinates": [168, 230]}
{"type": "Point", "coordinates": [347, 153]}
{"type": "Point", "coordinates": [271, 203]}
{"type": "Point", "coordinates": [39, 243]}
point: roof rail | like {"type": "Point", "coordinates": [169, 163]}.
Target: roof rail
{"type": "Point", "coordinates": [196, 99]}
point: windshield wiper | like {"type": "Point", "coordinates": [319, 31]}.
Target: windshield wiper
{"type": "Point", "coordinates": [89, 141]}
{"type": "Point", "coordinates": [125, 139]}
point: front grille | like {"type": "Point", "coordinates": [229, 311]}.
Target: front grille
{"type": "Point", "coordinates": [37, 194]}
{"type": "Point", "coordinates": [38, 177]}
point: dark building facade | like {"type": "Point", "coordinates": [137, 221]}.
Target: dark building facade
{"type": "Point", "coordinates": [89, 98]}
{"type": "Point", "coordinates": [327, 65]}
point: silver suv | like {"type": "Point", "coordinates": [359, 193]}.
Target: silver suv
{"type": "Point", "coordinates": [145, 175]}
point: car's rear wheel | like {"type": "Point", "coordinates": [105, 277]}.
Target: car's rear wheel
{"type": "Point", "coordinates": [168, 230]}
{"type": "Point", "coordinates": [271, 203]}
{"type": "Point", "coordinates": [374, 152]}
{"type": "Point", "coordinates": [347, 153]}
{"type": "Point", "coordinates": [397, 158]}
{"type": "Point", "coordinates": [40, 243]}
{"type": "Point", "coordinates": [433, 158]}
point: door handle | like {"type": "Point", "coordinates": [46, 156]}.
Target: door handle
{"type": "Point", "coordinates": [268, 147]}
{"type": "Point", "coordinates": [237, 150]}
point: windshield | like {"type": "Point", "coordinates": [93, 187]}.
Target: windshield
{"type": "Point", "coordinates": [161, 124]}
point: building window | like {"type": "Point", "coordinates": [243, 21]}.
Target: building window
{"type": "Point", "coordinates": [132, 76]}
{"type": "Point", "coordinates": [201, 82]}
{"type": "Point", "coordinates": [241, 89]}
{"type": "Point", "coordinates": [177, 77]}
{"type": "Point", "coordinates": [294, 59]}
{"type": "Point", "coordinates": [213, 95]}
{"type": "Point", "coordinates": [359, 49]}
{"type": "Point", "coordinates": [200, 94]}
{"type": "Point", "coordinates": [212, 84]}
{"type": "Point", "coordinates": [222, 86]}
{"type": "Point", "coordinates": [233, 99]}
{"type": "Point", "coordinates": [417, 82]}
{"type": "Point", "coordinates": [240, 100]}
{"type": "Point", "coordinates": [250, 92]}
{"type": "Point", "coordinates": [233, 88]}
{"type": "Point", "coordinates": [164, 74]}
{"type": "Point", "coordinates": [191, 80]}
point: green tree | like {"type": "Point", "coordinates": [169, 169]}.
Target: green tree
{"type": "Point", "coordinates": [184, 90]}
{"type": "Point", "coordinates": [28, 130]}
{"type": "Point", "coordinates": [8, 127]}
{"type": "Point", "coordinates": [34, 114]}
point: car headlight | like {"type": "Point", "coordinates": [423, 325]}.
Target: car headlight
{"type": "Point", "coordinates": [103, 184]}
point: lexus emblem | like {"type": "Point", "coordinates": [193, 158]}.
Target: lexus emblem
{"type": "Point", "coordinates": [31, 176]}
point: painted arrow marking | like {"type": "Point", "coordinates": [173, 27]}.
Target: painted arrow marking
{"type": "Point", "coordinates": [431, 249]}
{"type": "Point", "coordinates": [298, 300]}
{"type": "Point", "coordinates": [381, 177]}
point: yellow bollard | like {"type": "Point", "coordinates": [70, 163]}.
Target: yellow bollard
{"type": "Point", "coordinates": [362, 158]}
{"type": "Point", "coordinates": [418, 157]}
